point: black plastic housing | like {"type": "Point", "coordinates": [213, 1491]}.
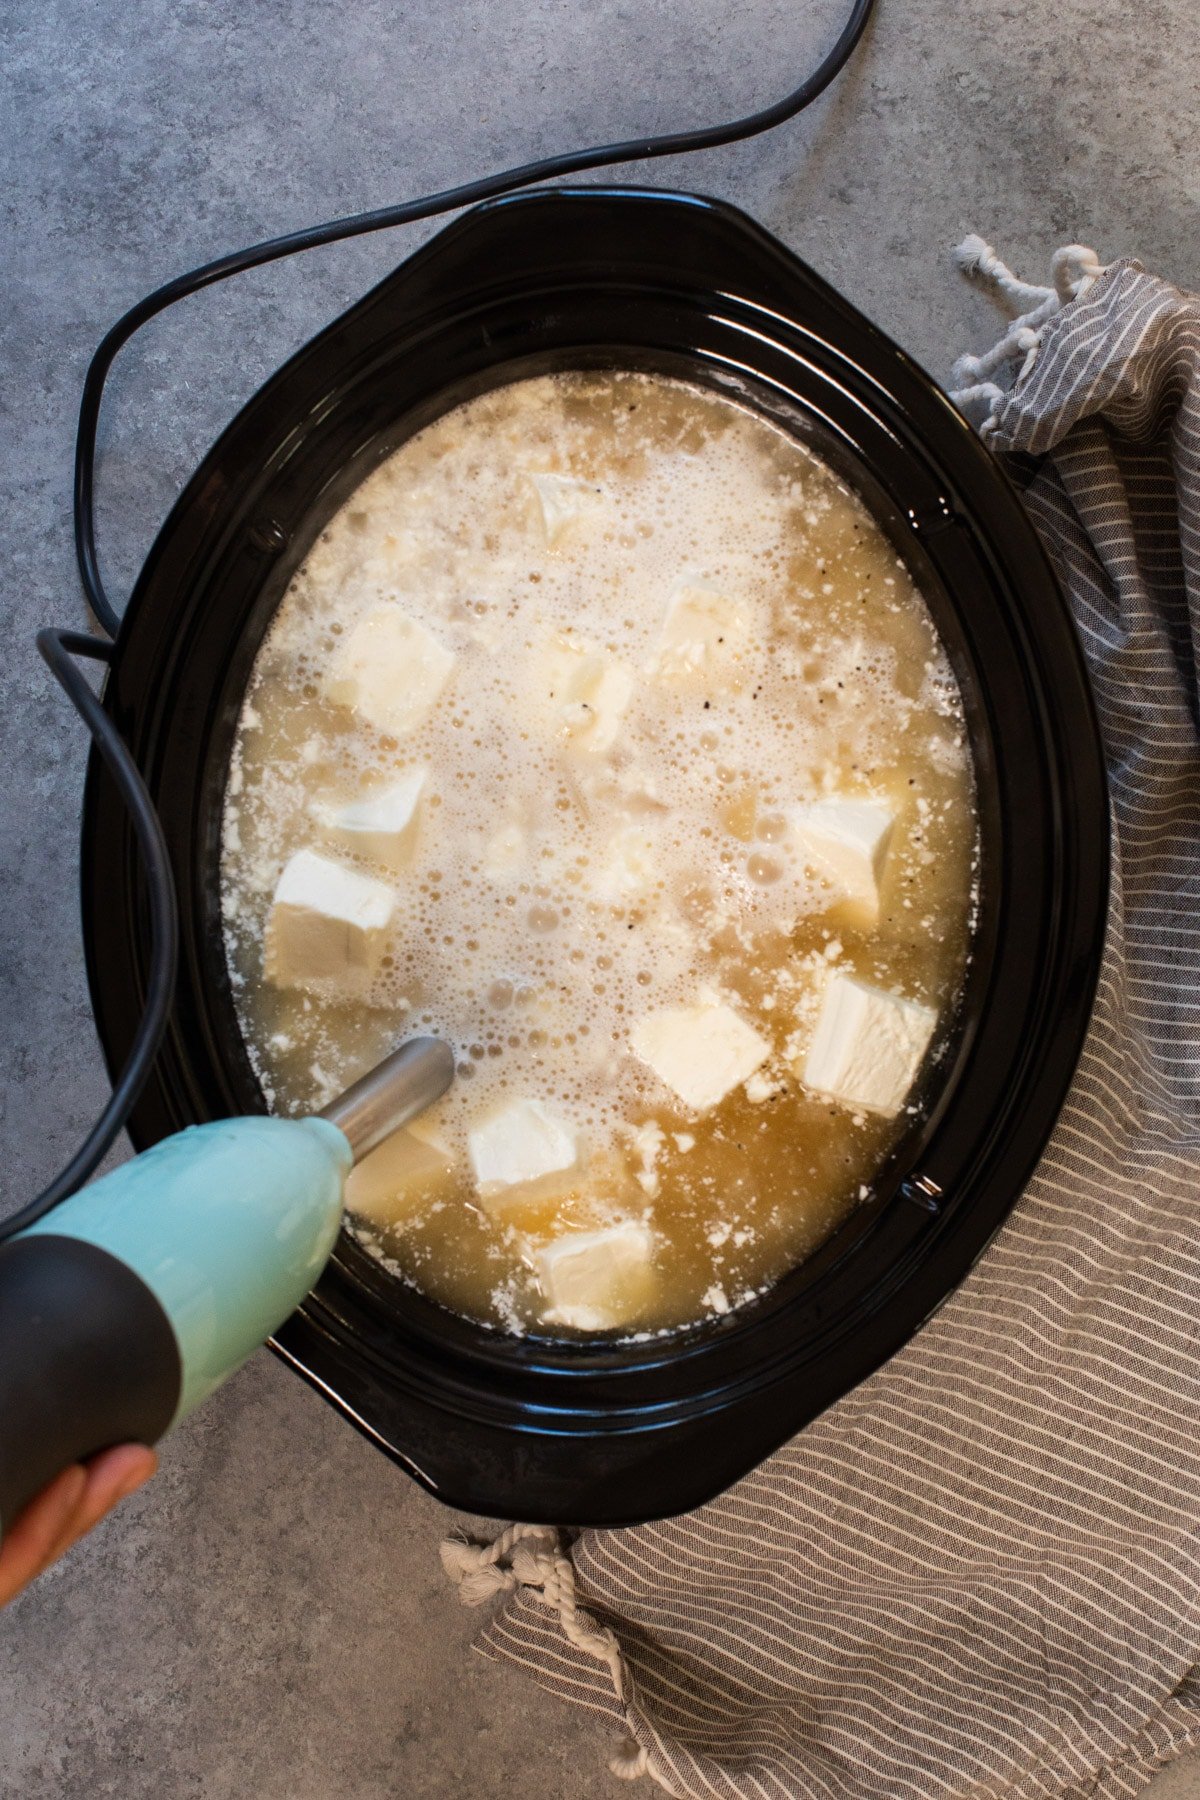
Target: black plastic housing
{"type": "Point", "coordinates": [88, 1359]}
{"type": "Point", "coordinates": [608, 1433]}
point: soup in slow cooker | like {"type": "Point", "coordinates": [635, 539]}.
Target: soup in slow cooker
{"type": "Point", "coordinates": [603, 734]}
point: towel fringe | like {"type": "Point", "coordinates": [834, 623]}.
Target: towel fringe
{"type": "Point", "coordinates": [534, 1556]}
{"type": "Point", "coordinates": [1073, 269]}
{"type": "Point", "coordinates": [630, 1760]}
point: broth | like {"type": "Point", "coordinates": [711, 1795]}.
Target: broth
{"type": "Point", "coordinates": [624, 755]}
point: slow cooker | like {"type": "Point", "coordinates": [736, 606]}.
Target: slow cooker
{"type": "Point", "coordinates": [609, 1433]}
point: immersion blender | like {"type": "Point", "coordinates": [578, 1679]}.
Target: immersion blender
{"type": "Point", "coordinates": [132, 1301]}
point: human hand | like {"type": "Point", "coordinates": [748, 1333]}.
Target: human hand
{"type": "Point", "coordinates": [63, 1512]}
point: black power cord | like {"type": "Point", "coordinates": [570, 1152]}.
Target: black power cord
{"type": "Point", "coordinates": [59, 646]}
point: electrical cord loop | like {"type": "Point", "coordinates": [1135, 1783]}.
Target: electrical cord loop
{"type": "Point", "coordinates": [59, 647]}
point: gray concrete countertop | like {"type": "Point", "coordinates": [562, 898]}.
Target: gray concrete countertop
{"type": "Point", "coordinates": [269, 1617]}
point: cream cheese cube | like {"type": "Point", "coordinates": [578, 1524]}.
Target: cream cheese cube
{"type": "Point", "coordinates": [700, 1052]}
{"type": "Point", "coordinates": [597, 1280]}
{"type": "Point", "coordinates": [522, 1146]}
{"type": "Point", "coordinates": [390, 671]}
{"type": "Point", "coordinates": [327, 925]}
{"type": "Point", "coordinates": [628, 871]}
{"type": "Point", "coordinates": [379, 825]}
{"type": "Point", "coordinates": [588, 691]}
{"type": "Point", "coordinates": [563, 500]}
{"type": "Point", "coordinates": [505, 852]}
{"type": "Point", "coordinates": [846, 841]}
{"type": "Point", "coordinates": [639, 789]}
{"type": "Point", "coordinates": [701, 629]}
{"type": "Point", "coordinates": [404, 1174]}
{"type": "Point", "coordinates": [632, 789]}
{"type": "Point", "coordinates": [868, 1046]}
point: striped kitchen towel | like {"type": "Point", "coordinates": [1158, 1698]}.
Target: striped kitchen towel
{"type": "Point", "coordinates": [979, 1574]}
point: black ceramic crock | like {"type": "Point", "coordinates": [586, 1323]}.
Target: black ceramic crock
{"type": "Point", "coordinates": [607, 1433]}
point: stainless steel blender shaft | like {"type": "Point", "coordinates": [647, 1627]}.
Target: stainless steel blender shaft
{"type": "Point", "coordinates": [396, 1090]}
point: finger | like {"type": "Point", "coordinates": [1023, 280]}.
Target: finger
{"type": "Point", "coordinates": [111, 1477]}
{"type": "Point", "coordinates": [29, 1545]}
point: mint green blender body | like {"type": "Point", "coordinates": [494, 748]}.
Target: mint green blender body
{"type": "Point", "coordinates": [129, 1303]}
{"type": "Point", "coordinates": [229, 1225]}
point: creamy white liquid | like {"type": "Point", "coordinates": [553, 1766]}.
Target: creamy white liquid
{"type": "Point", "coordinates": [555, 894]}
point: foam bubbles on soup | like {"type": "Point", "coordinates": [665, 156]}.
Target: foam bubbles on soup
{"type": "Point", "coordinates": [623, 754]}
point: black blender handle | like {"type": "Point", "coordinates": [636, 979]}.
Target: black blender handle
{"type": "Point", "coordinates": [88, 1359]}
